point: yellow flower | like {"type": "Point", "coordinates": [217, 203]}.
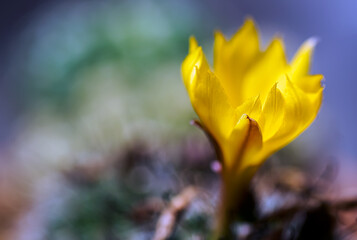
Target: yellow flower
{"type": "Point", "coordinates": [253, 102]}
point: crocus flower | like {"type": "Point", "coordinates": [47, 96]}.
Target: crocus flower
{"type": "Point", "coordinates": [252, 103]}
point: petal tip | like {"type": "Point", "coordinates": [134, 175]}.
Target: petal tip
{"type": "Point", "coordinates": [312, 42]}
{"type": "Point", "coordinates": [249, 21]}
{"type": "Point", "coordinates": [219, 38]}
{"type": "Point", "coordinates": [278, 42]}
{"type": "Point", "coordinates": [193, 45]}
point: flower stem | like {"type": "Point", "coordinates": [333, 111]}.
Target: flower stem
{"type": "Point", "coordinates": [234, 193]}
{"type": "Point", "coordinates": [225, 216]}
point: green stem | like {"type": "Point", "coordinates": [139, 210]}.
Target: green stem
{"type": "Point", "coordinates": [233, 194]}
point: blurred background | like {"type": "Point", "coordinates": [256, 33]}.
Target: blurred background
{"type": "Point", "coordinates": [92, 86]}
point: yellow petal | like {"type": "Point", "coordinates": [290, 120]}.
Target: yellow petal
{"type": "Point", "coordinates": [244, 141]}
{"type": "Point", "coordinates": [266, 71]}
{"type": "Point", "coordinates": [193, 45]}
{"type": "Point", "coordinates": [310, 83]}
{"type": "Point", "coordinates": [233, 57]}
{"type": "Point", "coordinates": [211, 104]}
{"type": "Point", "coordinates": [252, 107]}
{"type": "Point", "coordinates": [299, 110]}
{"type": "Point", "coordinates": [300, 64]}
{"type": "Point", "coordinates": [195, 58]}
{"type": "Point", "coordinates": [206, 93]}
{"type": "Point", "coordinates": [271, 117]}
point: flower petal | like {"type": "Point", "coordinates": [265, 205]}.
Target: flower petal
{"type": "Point", "coordinates": [211, 104]}
{"type": "Point", "coordinates": [232, 58]}
{"type": "Point", "coordinates": [266, 71]}
{"type": "Point", "coordinates": [195, 58]}
{"type": "Point", "coordinates": [207, 95]}
{"type": "Point", "coordinates": [251, 107]}
{"type": "Point", "coordinates": [271, 117]}
{"type": "Point", "coordinates": [299, 110]}
{"type": "Point", "coordinates": [193, 45]}
{"type": "Point", "coordinates": [244, 141]}
{"type": "Point", "coordinates": [310, 83]}
{"type": "Point", "coordinates": [300, 64]}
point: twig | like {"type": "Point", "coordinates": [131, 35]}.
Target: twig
{"type": "Point", "coordinates": [168, 217]}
